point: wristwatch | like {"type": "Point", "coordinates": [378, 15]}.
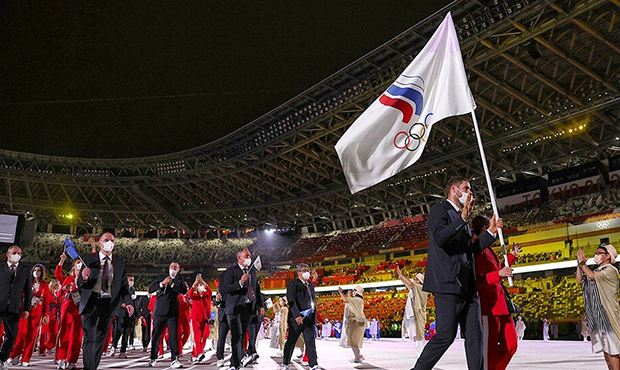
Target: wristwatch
{"type": "Point", "coordinates": [581, 263]}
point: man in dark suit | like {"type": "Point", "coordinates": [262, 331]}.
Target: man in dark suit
{"type": "Point", "coordinates": [166, 312]}
{"type": "Point", "coordinates": [103, 287]}
{"type": "Point", "coordinates": [451, 277]}
{"type": "Point", "coordinates": [301, 316]}
{"type": "Point", "coordinates": [124, 324]}
{"type": "Point", "coordinates": [144, 315]}
{"type": "Point", "coordinates": [15, 291]}
{"type": "Point", "coordinates": [241, 291]}
{"type": "Point", "coordinates": [222, 330]}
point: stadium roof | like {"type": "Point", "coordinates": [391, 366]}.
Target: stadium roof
{"type": "Point", "coordinates": [545, 76]}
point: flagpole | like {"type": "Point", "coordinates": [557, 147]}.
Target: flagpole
{"type": "Point", "coordinates": [491, 192]}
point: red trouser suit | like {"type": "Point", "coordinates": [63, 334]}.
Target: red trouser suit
{"type": "Point", "coordinates": [497, 324]}
{"type": "Point", "coordinates": [29, 328]}
{"type": "Point", "coordinates": [201, 313]}
{"type": "Point", "coordinates": [70, 335]}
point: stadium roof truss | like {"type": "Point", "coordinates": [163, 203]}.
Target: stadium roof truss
{"type": "Point", "coordinates": [536, 69]}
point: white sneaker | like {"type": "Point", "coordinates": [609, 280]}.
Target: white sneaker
{"type": "Point", "coordinates": [220, 363]}
{"type": "Point", "coordinates": [4, 365]}
{"type": "Point", "coordinates": [279, 353]}
{"type": "Point", "coordinates": [71, 366]}
{"type": "Point", "coordinates": [13, 361]}
{"type": "Point", "coordinates": [61, 364]}
{"type": "Point", "coordinates": [152, 363]}
{"type": "Point", "coordinates": [246, 360]}
{"type": "Point", "coordinates": [25, 364]}
{"type": "Point", "coordinates": [176, 364]}
{"type": "Point", "coordinates": [284, 367]}
{"type": "Point", "coordinates": [207, 356]}
{"type": "Point", "coordinates": [315, 367]}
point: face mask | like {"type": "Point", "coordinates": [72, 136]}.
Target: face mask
{"type": "Point", "coordinates": [598, 259]}
{"type": "Point", "coordinates": [173, 273]}
{"type": "Point", "coordinates": [463, 198]}
{"type": "Point", "coordinates": [78, 266]}
{"type": "Point", "coordinates": [108, 246]}
{"type": "Point", "coordinates": [305, 275]}
{"type": "Point", "coordinates": [247, 262]}
{"type": "Point", "coordinates": [36, 274]}
{"type": "Point", "coordinates": [14, 258]}
{"type": "Point", "coordinates": [130, 283]}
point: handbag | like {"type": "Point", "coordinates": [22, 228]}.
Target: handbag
{"type": "Point", "coordinates": [512, 308]}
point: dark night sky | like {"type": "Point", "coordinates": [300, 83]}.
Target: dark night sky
{"type": "Point", "coordinates": [243, 58]}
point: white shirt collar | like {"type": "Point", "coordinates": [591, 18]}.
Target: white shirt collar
{"type": "Point", "coordinates": [456, 208]}
{"type": "Point", "coordinates": [12, 264]}
{"type": "Point", "coordinates": [242, 267]}
{"type": "Point", "coordinates": [102, 256]}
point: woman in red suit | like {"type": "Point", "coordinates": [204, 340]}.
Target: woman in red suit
{"type": "Point", "coordinates": [29, 327]}
{"type": "Point", "coordinates": [49, 330]}
{"type": "Point", "coordinates": [500, 334]}
{"type": "Point", "coordinates": [200, 294]}
{"type": "Point", "coordinates": [183, 328]}
{"type": "Point", "coordinates": [70, 325]}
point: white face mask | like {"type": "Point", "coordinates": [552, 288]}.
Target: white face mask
{"type": "Point", "coordinates": [14, 258]}
{"type": "Point", "coordinates": [247, 262]}
{"type": "Point", "coordinates": [108, 246]}
{"type": "Point", "coordinates": [598, 259]}
{"type": "Point", "coordinates": [36, 274]}
{"type": "Point", "coordinates": [173, 273]}
{"type": "Point", "coordinates": [463, 198]}
{"type": "Point", "coordinates": [305, 275]}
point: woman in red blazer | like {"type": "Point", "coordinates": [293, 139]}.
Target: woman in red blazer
{"type": "Point", "coordinates": [500, 335]}
{"type": "Point", "coordinates": [200, 294]}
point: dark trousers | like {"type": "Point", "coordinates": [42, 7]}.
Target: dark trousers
{"type": "Point", "coordinates": [159, 322]}
{"type": "Point", "coordinates": [122, 327]}
{"type": "Point", "coordinates": [294, 331]}
{"type": "Point", "coordinates": [95, 323]}
{"type": "Point", "coordinates": [146, 333]}
{"type": "Point", "coordinates": [132, 330]}
{"type": "Point", "coordinates": [253, 328]}
{"type": "Point", "coordinates": [450, 311]}
{"type": "Point", "coordinates": [238, 324]}
{"type": "Point", "coordinates": [10, 321]}
{"type": "Point", "coordinates": [222, 333]}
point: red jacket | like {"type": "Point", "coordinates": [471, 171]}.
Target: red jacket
{"type": "Point", "coordinates": [41, 297]}
{"type": "Point", "coordinates": [201, 304]}
{"type": "Point", "coordinates": [67, 304]}
{"type": "Point", "coordinates": [488, 281]}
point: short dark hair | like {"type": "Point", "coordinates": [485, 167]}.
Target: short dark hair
{"type": "Point", "coordinates": [130, 276]}
{"type": "Point", "coordinates": [302, 266]}
{"type": "Point", "coordinates": [454, 181]}
{"type": "Point", "coordinates": [478, 223]}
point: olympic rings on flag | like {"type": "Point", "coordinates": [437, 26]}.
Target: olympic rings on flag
{"type": "Point", "coordinates": [410, 140]}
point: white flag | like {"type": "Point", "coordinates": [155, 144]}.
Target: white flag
{"type": "Point", "coordinates": [391, 134]}
{"type": "Point", "coordinates": [258, 265]}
